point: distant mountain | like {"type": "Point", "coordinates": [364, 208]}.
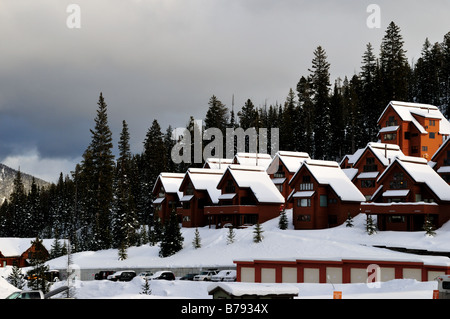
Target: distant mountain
{"type": "Point", "coordinates": [7, 176]}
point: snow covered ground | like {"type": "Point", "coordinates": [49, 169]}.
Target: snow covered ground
{"type": "Point", "coordinates": [339, 242]}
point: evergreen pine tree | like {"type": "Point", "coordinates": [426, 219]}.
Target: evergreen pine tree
{"type": "Point", "coordinates": [394, 65]}
{"type": "Point", "coordinates": [231, 236]}
{"type": "Point", "coordinates": [283, 221]}
{"type": "Point", "coordinates": [172, 240]}
{"type": "Point", "coordinates": [153, 163]}
{"type": "Point", "coordinates": [16, 278]}
{"type": "Point", "coordinates": [349, 221]}
{"type": "Point", "coordinates": [429, 227]}
{"type": "Point", "coordinates": [257, 233]}
{"type": "Point", "coordinates": [38, 268]}
{"type": "Point", "coordinates": [305, 116]}
{"type": "Point", "coordinates": [370, 225]}
{"type": "Point", "coordinates": [146, 288]}
{"type": "Point", "coordinates": [320, 85]}
{"type": "Point", "coordinates": [197, 242]}
{"type": "Point", "coordinates": [122, 251]}
{"type": "Point", "coordinates": [101, 168]}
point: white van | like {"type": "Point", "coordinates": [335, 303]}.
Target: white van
{"type": "Point", "coordinates": [444, 286]}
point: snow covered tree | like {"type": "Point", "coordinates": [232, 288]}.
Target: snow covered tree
{"type": "Point", "coordinates": [172, 240]}
{"type": "Point", "coordinates": [230, 236]}
{"type": "Point", "coordinates": [257, 233]}
{"type": "Point", "coordinates": [283, 221]}
{"type": "Point", "coordinates": [349, 221]}
{"type": "Point", "coordinates": [38, 269]}
{"type": "Point", "coordinates": [370, 225]}
{"type": "Point", "coordinates": [429, 227]}
{"type": "Point", "coordinates": [197, 240]}
{"type": "Point", "coordinates": [16, 278]}
{"type": "Point", "coordinates": [146, 288]}
{"type": "Point", "coordinates": [122, 251]}
{"type": "Point", "coordinates": [394, 65]}
{"type": "Point", "coordinates": [320, 85]}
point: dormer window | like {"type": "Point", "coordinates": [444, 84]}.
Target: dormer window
{"type": "Point", "coordinates": [398, 181]}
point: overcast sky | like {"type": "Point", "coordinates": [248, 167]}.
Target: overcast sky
{"type": "Point", "coordinates": [164, 59]}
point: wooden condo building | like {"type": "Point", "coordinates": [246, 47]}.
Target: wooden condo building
{"type": "Point", "coordinates": [247, 196]}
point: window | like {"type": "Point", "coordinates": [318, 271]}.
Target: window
{"type": "Point", "coordinates": [432, 122]}
{"type": "Point", "coordinates": [306, 187]}
{"type": "Point", "coordinates": [367, 183]}
{"type": "Point", "coordinates": [398, 181]}
{"type": "Point", "coordinates": [279, 187]}
{"type": "Point", "coordinates": [407, 135]}
{"type": "Point", "coordinates": [187, 205]}
{"type": "Point", "coordinates": [414, 149]}
{"type": "Point", "coordinates": [418, 197]}
{"type": "Point", "coordinates": [186, 218]}
{"type": "Point", "coordinates": [396, 219]}
{"type": "Point", "coordinates": [447, 160]}
{"type": "Point", "coordinates": [189, 189]}
{"type": "Point", "coordinates": [230, 188]}
{"type": "Point", "coordinates": [391, 121]}
{"type": "Point", "coordinates": [432, 135]}
{"type": "Point", "coordinates": [304, 218]}
{"type": "Point", "coordinates": [304, 202]}
{"type": "Point", "coordinates": [370, 165]}
{"type": "Point", "coordinates": [390, 137]}
{"type": "Point", "coordinates": [323, 201]}
{"type": "Point", "coordinates": [424, 148]}
{"type": "Point", "coordinates": [280, 173]}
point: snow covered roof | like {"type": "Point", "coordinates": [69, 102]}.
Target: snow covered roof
{"type": "Point", "coordinates": [258, 289]}
{"type": "Point", "coordinates": [406, 111]}
{"type": "Point", "coordinates": [441, 148]}
{"type": "Point", "coordinates": [421, 172]}
{"type": "Point", "coordinates": [217, 163]}
{"type": "Point", "coordinates": [385, 153]}
{"type": "Point", "coordinates": [330, 173]}
{"type": "Point", "coordinates": [12, 246]}
{"type": "Point", "coordinates": [259, 182]}
{"type": "Point", "coordinates": [171, 182]}
{"type": "Point", "coordinates": [291, 160]}
{"type": "Point", "coordinates": [253, 159]}
{"type": "Point", "coordinates": [206, 179]}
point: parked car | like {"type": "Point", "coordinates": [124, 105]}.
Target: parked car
{"type": "Point", "coordinates": [103, 274]}
{"type": "Point", "coordinates": [188, 277]}
{"type": "Point", "coordinates": [205, 275]}
{"type": "Point", "coordinates": [231, 277]}
{"type": "Point", "coordinates": [162, 275]}
{"type": "Point", "coordinates": [221, 275]}
{"type": "Point", "coordinates": [36, 294]}
{"type": "Point", "coordinates": [123, 275]}
{"type": "Point", "coordinates": [145, 274]}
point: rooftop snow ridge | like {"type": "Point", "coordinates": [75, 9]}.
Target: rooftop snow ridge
{"type": "Point", "coordinates": [322, 163]}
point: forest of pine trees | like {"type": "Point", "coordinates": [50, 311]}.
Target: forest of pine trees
{"type": "Point", "coordinates": [106, 200]}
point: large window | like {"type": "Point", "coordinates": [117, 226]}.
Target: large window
{"type": "Point", "coordinates": [391, 121]}
{"type": "Point", "coordinates": [370, 165]}
{"type": "Point", "coordinates": [390, 137]}
{"type": "Point", "coordinates": [304, 202]}
{"type": "Point", "coordinates": [398, 181]}
{"type": "Point", "coordinates": [323, 201]}
{"type": "Point", "coordinates": [280, 173]}
{"type": "Point", "coordinates": [230, 188]}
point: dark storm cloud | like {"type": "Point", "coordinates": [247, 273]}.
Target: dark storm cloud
{"type": "Point", "coordinates": [164, 59]}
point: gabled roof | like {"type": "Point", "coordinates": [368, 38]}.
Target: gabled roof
{"type": "Point", "coordinates": [291, 160]}
{"type": "Point", "coordinates": [253, 159]}
{"type": "Point", "coordinates": [330, 173]}
{"type": "Point", "coordinates": [385, 153]}
{"type": "Point", "coordinates": [217, 163]}
{"type": "Point", "coordinates": [14, 247]}
{"type": "Point", "coordinates": [205, 179]}
{"type": "Point", "coordinates": [406, 111]}
{"type": "Point", "coordinates": [171, 183]}
{"type": "Point", "coordinates": [421, 172]}
{"type": "Point", "coordinates": [257, 180]}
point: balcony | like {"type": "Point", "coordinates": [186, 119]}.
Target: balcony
{"type": "Point", "coordinates": [231, 210]}
{"type": "Point", "coordinates": [408, 208]}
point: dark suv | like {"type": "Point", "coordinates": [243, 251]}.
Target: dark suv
{"type": "Point", "coordinates": [123, 275]}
